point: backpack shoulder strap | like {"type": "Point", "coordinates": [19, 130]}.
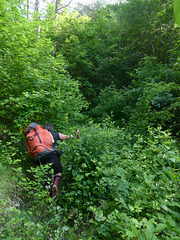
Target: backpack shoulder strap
{"type": "Point", "coordinates": [51, 137]}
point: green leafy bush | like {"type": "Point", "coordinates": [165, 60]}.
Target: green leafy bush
{"type": "Point", "coordinates": [152, 100]}
{"type": "Point", "coordinates": [115, 184]}
{"type": "Point", "coordinates": [26, 210]}
{"type": "Point", "coordinates": [128, 184]}
{"type": "Point", "coordinates": [35, 85]}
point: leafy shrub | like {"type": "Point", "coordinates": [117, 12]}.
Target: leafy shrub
{"type": "Point", "coordinates": [35, 85]}
{"type": "Point", "coordinates": [26, 210]}
{"type": "Point", "coordinates": [117, 103]}
{"type": "Point", "coordinates": [149, 70]}
{"type": "Point", "coordinates": [115, 185]}
{"type": "Point", "coordinates": [152, 100]}
{"type": "Point", "coordinates": [157, 105]}
{"type": "Point", "coordinates": [127, 187]}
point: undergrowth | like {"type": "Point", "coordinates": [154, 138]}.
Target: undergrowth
{"type": "Point", "coordinates": [115, 186]}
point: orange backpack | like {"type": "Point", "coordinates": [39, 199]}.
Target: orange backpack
{"type": "Point", "coordinates": [39, 141]}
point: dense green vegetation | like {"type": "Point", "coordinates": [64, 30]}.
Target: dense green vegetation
{"type": "Point", "coordinates": [115, 75]}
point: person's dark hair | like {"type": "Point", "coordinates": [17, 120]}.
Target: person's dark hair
{"type": "Point", "coordinates": [49, 127]}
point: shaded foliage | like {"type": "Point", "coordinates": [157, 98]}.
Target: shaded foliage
{"type": "Point", "coordinates": [103, 49]}
{"type": "Point", "coordinates": [152, 100]}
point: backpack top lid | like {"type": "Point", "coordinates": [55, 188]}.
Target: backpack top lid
{"type": "Point", "coordinates": [30, 126]}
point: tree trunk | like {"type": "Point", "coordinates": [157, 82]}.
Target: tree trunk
{"type": "Point", "coordinates": [27, 9]}
{"type": "Point", "coordinates": [57, 6]}
{"type": "Point", "coordinates": [36, 6]}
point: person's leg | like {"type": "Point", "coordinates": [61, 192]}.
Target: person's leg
{"type": "Point", "coordinates": [57, 174]}
{"type": "Point", "coordinates": [57, 179]}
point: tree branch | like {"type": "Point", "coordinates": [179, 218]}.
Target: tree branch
{"type": "Point", "coordinates": [65, 6]}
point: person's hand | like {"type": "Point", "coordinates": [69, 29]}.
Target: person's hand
{"type": "Point", "coordinates": [77, 132]}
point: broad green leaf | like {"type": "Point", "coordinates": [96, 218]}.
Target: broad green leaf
{"type": "Point", "coordinates": [79, 178]}
{"type": "Point", "coordinates": [160, 227]}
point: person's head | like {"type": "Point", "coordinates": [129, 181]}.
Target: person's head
{"type": "Point", "coordinates": [49, 127]}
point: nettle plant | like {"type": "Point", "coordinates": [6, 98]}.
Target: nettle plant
{"type": "Point", "coordinates": [125, 186]}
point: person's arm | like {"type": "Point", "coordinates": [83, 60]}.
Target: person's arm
{"type": "Point", "coordinates": [64, 137]}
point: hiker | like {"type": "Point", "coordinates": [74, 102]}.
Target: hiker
{"type": "Point", "coordinates": [41, 145]}
{"type": "Point", "coordinates": [55, 158]}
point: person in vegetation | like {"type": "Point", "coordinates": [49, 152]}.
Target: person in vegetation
{"type": "Point", "coordinates": [55, 158]}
